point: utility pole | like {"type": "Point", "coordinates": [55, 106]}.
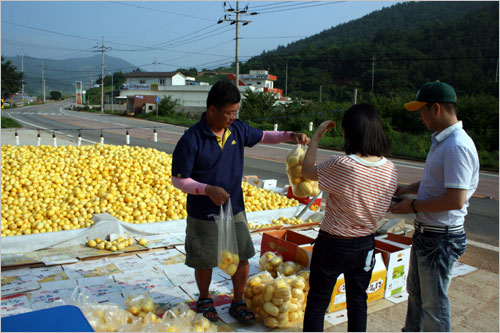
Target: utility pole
{"type": "Point", "coordinates": [43, 80]}
{"type": "Point", "coordinates": [373, 70]}
{"type": "Point", "coordinates": [102, 49]}
{"type": "Point", "coordinates": [286, 79]}
{"type": "Point", "coordinates": [320, 93]}
{"type": "Point", "coordinates": [237, 60]}
{"type": "Point", "coordinates": [236, 21]}
{"type": "Point", "coordinates": [112, 88]}
{"type": "Point", "coordinates": [154, 65]}
{"type": "Point", "coordinates": [22, 71]}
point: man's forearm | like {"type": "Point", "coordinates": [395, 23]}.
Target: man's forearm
{"type": "Point", "coordinates": [451, 200]}
{"type": "Point", "coordinates": [273, 137]}
{"type": "Point", "coordinates": [189, 185]}
{"type": "Point", "coordinates": [413, 188]}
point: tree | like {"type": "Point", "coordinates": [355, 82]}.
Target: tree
{"type": "Point", "coordinates": [167, 106]}
{"type": "Point", "coordinates": [188, 72]}
{"type": "Point", "coordinates": [55, 95]}
{"type": "Point", "coordinates": [118, 79]}
{"type": "Point", "coordinates": [258, 105]}
{"type": "Point", "coordinates": [12, 80]}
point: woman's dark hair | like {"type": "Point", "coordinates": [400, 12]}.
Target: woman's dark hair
{"type": "Point", "coordinates": [363, 131]}
{"type": "Point", "coordinates": [222, 94]}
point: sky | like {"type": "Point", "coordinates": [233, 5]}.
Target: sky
{"type": "Point", "coordinates": [166, 35]}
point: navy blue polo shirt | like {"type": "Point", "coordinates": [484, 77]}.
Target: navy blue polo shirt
{"type": "Point", "coordinates": [199, 156]}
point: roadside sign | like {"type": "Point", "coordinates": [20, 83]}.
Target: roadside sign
{"type": "Point", "coordinates": [2, 103]}
{"type": "Point", "coordinates": [157, 99]}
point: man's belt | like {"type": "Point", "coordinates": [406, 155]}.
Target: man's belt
{"type": "Point", "coordinates": [439, 229]}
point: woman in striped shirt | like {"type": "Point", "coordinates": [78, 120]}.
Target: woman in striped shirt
{"type": "Point", "coordinates": [360, 185]}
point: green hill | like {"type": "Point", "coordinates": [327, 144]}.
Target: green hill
{"type": "Point", "coordinates": [402, 46]}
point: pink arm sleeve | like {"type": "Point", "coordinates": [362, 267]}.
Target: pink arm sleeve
{"type": "Point", "coordinates": [272, 137]}
{"type": "Point", "coordinates": [189, 185]}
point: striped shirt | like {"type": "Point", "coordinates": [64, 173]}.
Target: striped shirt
{"type": "Point", "coordinates": [359, 194]}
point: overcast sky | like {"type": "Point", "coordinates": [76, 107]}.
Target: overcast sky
{"type": "Point", "coordinates": [174, 34]}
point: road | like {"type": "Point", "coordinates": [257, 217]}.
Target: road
{"type": "Point", "coordinates": [265, 161]}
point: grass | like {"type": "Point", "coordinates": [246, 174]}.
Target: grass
{"type": "Point", "coordinates": [10, 123]}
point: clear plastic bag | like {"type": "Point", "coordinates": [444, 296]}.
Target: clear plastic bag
{"type": "Point", "coordinates": [228, 258]}
{"type": "Point", "coordinates": [254, 290]}
{"type": "Point", "coordinates": [276, 303]}
{"type": "Point", "coordinates": [270, 262]}
{"type": "Point", "coordinates": [139, 305]}
{"type": "Point", "coordinates": [301, 187]}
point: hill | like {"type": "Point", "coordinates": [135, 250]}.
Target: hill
{"type": "Point", "coordinates": [402, 46]}
{"type": "Point", "coordinates": [61, 74]}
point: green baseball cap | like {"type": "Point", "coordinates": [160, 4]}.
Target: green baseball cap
{"type": "Point", "coordinates": [432, 92]}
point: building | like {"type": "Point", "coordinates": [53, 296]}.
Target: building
{"type": "Point", "coordinates": [260, 81]}
{"type": "Point", "coordinates": [154, 80]}
{"type": "Point", "coordinates": [143, 88]}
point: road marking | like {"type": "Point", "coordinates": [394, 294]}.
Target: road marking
{"type": "Point", "coordinates": [43, 128]}
{"type": "Point", "coordinates": [482, 245]}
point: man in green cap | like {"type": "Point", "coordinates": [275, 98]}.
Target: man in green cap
{"type": "Point", "coordinates": [451, 175]}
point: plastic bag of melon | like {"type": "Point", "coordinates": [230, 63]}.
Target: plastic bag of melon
{"type": "Point", "coordinates": [301, 187]}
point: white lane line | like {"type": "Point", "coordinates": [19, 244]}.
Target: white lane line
{"type": "Point", "coordinates": [40, 127]}
{"type": "Point", "coordinates": [114, 123]}
{"type": "Point", "coordinates": [482, 245]}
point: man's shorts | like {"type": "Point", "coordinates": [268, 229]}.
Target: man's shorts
{"type": "Point", "coordinates": [201, 241]}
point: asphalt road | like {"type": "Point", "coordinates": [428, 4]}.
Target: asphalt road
{"type": "Point", "coordinates": [265, 161]}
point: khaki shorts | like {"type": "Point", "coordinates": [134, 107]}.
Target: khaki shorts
{"type": "Point", "coordinates": [201, 241]}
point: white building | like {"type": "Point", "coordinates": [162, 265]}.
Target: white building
{"type": "Point", "coordinates": [154, 80]}
{"type": "Point", "coordinates": [258, 79]}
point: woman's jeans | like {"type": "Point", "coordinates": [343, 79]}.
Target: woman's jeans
{"type": "Point", "coordinates": [331, 257]}
{"type": "Point", "coordinates": [432, 258]}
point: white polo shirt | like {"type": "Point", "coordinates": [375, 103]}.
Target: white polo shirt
{"type": "Point", "coordinates": [452, 162]}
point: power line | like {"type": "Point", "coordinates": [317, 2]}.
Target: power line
{"type": "Point", "coordinates": [305, 6]}
{"type": "Point", "coordinates": [283, 5]}
{"type": "Point", "coordinates": [271, 37]}
{"type": "Point", "coordinates": [272, 4]}
{"type": "Point", "coordinates": [160, 10]}
{"type": "Point", "coordinates": [49, 31]}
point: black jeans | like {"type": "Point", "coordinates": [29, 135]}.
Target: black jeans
{"type": "Point", "coordinates": [331, 257]}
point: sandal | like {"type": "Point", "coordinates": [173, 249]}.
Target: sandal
{"type": "Point", "coordinates": [243, 313]}
{"type": "Point", "coordinates": [207, 309]}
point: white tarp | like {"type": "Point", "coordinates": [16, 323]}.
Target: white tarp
{"type": "Point", "coordinates": [105, 224]}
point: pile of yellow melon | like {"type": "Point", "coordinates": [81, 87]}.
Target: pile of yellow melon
{"type": "Point", "coordinates": [276, 301]}
{"type": "Point", "coordinates": [46, 188]}
{"type": "Point", "coordinates": [278, 222]}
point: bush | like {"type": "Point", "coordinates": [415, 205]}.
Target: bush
{"type": "Point", "coordinates": [167, 106]}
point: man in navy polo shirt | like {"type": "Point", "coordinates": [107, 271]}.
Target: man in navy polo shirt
{"type": "Point", "coordinates": [208, 165]}
{"type": "Point", "coordinates": [451, 176]}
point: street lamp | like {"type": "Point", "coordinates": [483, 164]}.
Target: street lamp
{"type": "Point", "coordinates": [112, 88]}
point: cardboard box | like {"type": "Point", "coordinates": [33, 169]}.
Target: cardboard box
{"type": "Point", "coordinates": [399, 238]}
{"type": "Point", "coordinates": [291, 245]}
{"type": "Point", "coordinates": [375, 290]}
{"type": "Point", "coordinates": [266, 183]}
{"type": "Point", "coordinates": [396, 257]}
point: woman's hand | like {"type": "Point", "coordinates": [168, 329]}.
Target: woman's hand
{"type": "Point", "coordinates": [325, 127]}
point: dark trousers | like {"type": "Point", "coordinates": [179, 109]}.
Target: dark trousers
{"type": "Point", "coordinates": [331, 257]}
